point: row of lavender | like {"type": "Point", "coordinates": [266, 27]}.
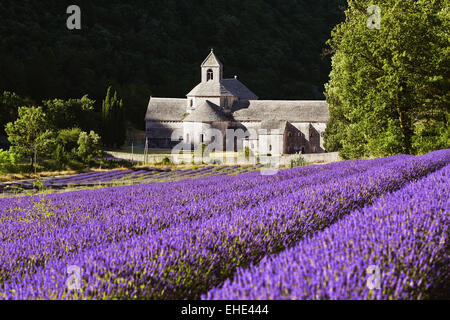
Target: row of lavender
{"type": "Point", "coordinates": [169, 258]}
{"type": "Point", "coordinates": [395, 249]}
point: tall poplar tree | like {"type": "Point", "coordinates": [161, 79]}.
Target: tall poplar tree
{"type": "Point", "coordinates": [113, 121]}
{"type": "Point", "coordinates": [389, 88]}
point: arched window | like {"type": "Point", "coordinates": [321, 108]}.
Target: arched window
{"type": "Point", "coordinates": [209, 75]}
{"type": "Point", "coordinates": [191, 102]}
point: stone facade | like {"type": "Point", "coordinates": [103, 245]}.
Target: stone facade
{"type": "Point", "coordinates": [237, 117]}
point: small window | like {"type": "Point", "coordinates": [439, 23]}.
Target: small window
{"type": "Point", "coordinates": [187, 138]}
{"type": "Point", "coordinates": [270, 148]}
{"type": "Point", "coordinates": [192, 102]}
{"type": "Point", "coordinates": [201, 138]}
{"type": "Point", "coordinates": [303, 150]}
{"type": "Point", "coordinates": [209, 75]}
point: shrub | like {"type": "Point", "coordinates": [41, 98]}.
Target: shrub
{"type": "Point", "coordinates": [201, 148]}
{"type": "Point", "coordinates": [298, 161]}
{"type": "Point", "coordinates": [166, 161]}
{"type": "Point", "coordinates": [215, 161]}
{"type": "Point", "coordinates": [247, 152]}
{"type": "Point", "coordinates": [39, 184]}
{"type": "Point", "coordinates": [88, 146]}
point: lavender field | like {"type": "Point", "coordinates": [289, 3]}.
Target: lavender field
{"type": "Point", "coordinates": [314, 232]}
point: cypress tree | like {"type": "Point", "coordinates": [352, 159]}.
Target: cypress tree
{"type": "Point", "coordinates": [113, 132]}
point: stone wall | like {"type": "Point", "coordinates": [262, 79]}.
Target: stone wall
{"type": "Point", "coordinates": [231, 159]}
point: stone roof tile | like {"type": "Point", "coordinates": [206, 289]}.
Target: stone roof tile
{"type": "Point", "coordinates": [223, 88]}
{"type": "Point", "coordinates": [211, 61]}
{"type": "Point", "coordinates": [279, 125]}
{"type": "Point", "coordinates": [207, 112]}
{"type": "Point", "coordinates": [166, 109]}
{"type": "Point", "coordinates": [238, 89]}
{"type": "Point", "coordinates": [292, 111]}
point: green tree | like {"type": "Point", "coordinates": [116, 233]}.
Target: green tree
{"type": "Point", "coordinates": [47, 143]}
{"type": "Point", "coordinates": [89, 146]}
{"type": "Point", "coordinates": [113, 120]}
{"type": "Point", "coordinates": [60, 156]}
{"type": "Point", "coordinates": [9, 106]}
{"type": "Point", "coordinates": [432, 134]}
{"type": "Point", "coordinates": [28, 134]}
{"type": "Point", "coordinates": [7, 161]}
{"type": "Point", "coordinates": [68, 139]}
{"type": "Point", "coordinates": [63, 114]}
{"type": "Point", "coordinates": [65, 146]}
{"type": "Point", "coordinates": [387, 83]}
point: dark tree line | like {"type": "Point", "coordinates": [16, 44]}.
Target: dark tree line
{"type": "Point", "coordinates": [70, 114]}
{"type": "Point", "coordinates": [145, 48]}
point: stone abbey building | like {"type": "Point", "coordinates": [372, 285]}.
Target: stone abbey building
{"type": "Point", "coordinates": [270, 126]}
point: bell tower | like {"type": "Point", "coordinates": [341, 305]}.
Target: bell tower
{"type": "Point", "coordinates": [212, 68]}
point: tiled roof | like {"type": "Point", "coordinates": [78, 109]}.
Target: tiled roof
{"type": "Point", "coordinates": [292, 111]}
{"type": "Point", "coordinates": [207, 112]}
{"type": "Point", "coordinates": [211, 61]}
{"type": "Point", "coordinates": [166, 109]}
{"type": "Point", "coordinates": [223, 88]}
{"type": "Point", "coordinates": [238, 89]}
{"type": "Point", "coordinates": [270, 125]}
